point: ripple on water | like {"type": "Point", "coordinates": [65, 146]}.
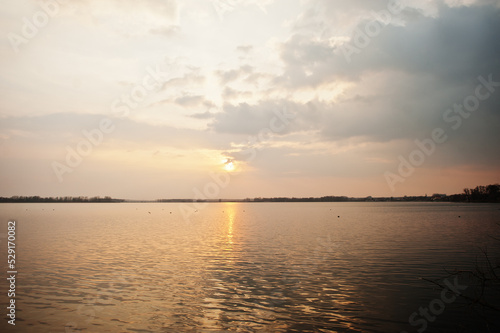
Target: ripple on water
{"type": "Point", "coordinates": [275, 268]}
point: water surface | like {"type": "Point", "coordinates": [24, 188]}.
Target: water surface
{"type": "Point", "coordinates": [243, 267]}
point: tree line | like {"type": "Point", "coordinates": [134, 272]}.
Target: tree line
{"type": "Point", "coordinates": [489, 193]}
{"type": "Point", "coordinates": [36, 198]}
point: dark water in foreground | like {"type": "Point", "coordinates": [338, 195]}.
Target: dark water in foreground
{"type": "Point", "coordinates": [254, 267]}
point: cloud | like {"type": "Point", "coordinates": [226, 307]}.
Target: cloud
{"type": "Point", "coordinates": [230, 93]}
{"type": "Point", "coordinates": [203, 115]}
{"type": "Point", "coordinates": [189, 100]}
{"type": "Point", "coordinates": [251, 119]}
{"type": "Point", "coordinates": [245, 118]}
{"type": "Point", "coordinates": [66, 128]}
{"type": "Point", "coordinates": [167, 31]}
{"type": "Point", "coordinates": [396, 91]}
{"type": "Point", "coordinates": [457, 44]}
{"type": "Point", "coordinates": [405, 79]}
{"type": "Point", "coordinates": [244, 48]}
{"type": "Point", "coordinates": [127, 17]}
{"type": "Point", "coordinates": [227, 76]}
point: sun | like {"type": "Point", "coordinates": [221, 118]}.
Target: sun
{"type": "Point", "coordinates": [228, 165]}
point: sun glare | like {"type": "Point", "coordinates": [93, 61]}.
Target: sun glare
{"type": "Point", "coordinates": [228, 164]}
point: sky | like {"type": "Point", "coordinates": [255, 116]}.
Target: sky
{"type": "Point", "coordinates": [211, 99]}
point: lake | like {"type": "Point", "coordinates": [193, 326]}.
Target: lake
{"type": "Point", "coordinates": [247, 267]}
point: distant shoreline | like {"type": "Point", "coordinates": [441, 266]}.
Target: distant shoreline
{"type": "Point", "coordinates": [117, 201]}
{"type": "Point", "coordinates": [448, 199]}
{"type": "Point", "coordinates": [484, 194]}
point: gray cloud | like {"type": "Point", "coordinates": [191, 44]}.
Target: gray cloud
{"type": "Point", "coordinates": [203, 115]}
{"type": "Point", "coordinates": [458, 44]}
{"type": "Point", "coordinates": [429, 64]}
{"type": "Point", "coordinates": [422, 69]}
{"type": "Point", "coordinates": [189, 100]}
{"type": "Point", "coordinates": [234, 74]}
{"type": "Point", "coordinates": [64, 128]}
{"type": "Point", "coordinates": [244, 48]}
{"type": "Point", "coordinates": [250, 119]}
